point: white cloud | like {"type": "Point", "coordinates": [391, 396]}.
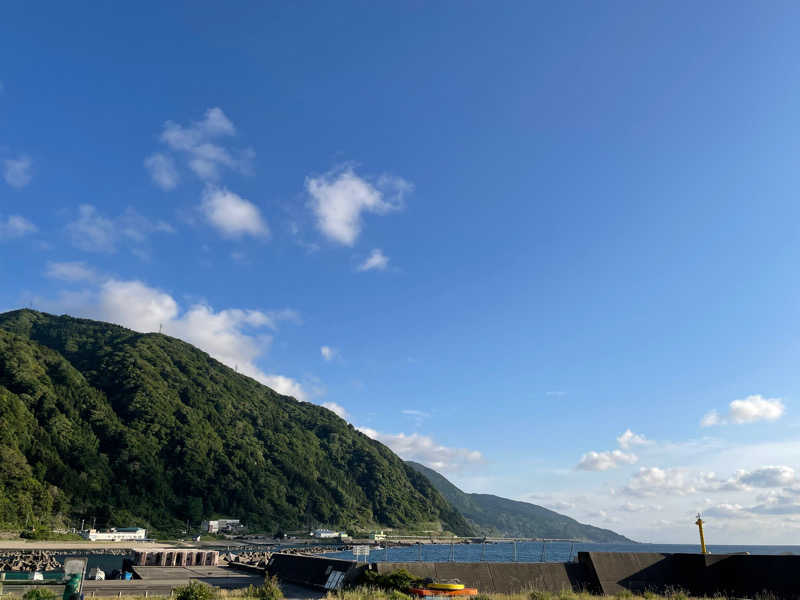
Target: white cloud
{"type": "Point", "coordinates": [327, 352]}
{"type": "Point", "coordinates": [337, 408]}
{"type": "Point", "coordinates": [15, 226]}
{"type": "Point", "coordinates": [725, 511]}
{"type": "Point", "coordinates": [768, 477]}
{"type": "Point", "coordinates": [649, 481]}
{"type": "Point", "coordinates": [91, 231]}
{"type": "Point", "coordinates": [603, 461]}
{"type": "Point", "coordinates": [628, 439]}
{"type": "Point", "coordinates": [281, 384]}
{"type": "Point", "coordinates": [94, 232]}
{"type": "Point", "coordinates": [611, 459]}
{"type": "Point", "coordinates": [70, 271]}
{"type": "Point", "coordinates": [632, 507]}
{"type": "Point", "coordinates": [162, 170]}
{"type": "Point", "coordinates": [710, 419]}
{"type": "Point", "coordinates": [425, 450]}
{"type": "Point", "coordinates": [376, 260]}
{"type": "Point", "coordinates": [560, 505]}
{"type": "Point", "coordinates": [340, 197]}
{"type": "Point", "coordinates": [231, 214]}
{"type": "Point", "coordinates": [748, 410]}
{"type": "Point", "coordinates": [234, 337]}
{"type": "Point", "coordinates": [18, 171]}
{"type": "Point", "coordinates": [197, 143]}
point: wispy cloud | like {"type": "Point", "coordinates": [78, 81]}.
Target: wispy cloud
{"type": "Point", "coordinates": [94, 232]}
{"type": "Point", "coordinates": [376, 261]}
{"type": "Point", "coordinates": [162, 170]}
{"type": "Point", "coordinates": [18, 172]}
{"type": "Point", "coordinates": [339, 198]}
{"type": "Point", "coordinates": [70, 271]}
{"type": "Point", "coordinates": [328, 353]}
{"type": "Point", "coordinates": [198, 143]}
{"type": "Point", "coordinates": [424, 449]}
{"type": "Point", "coordinates": [415, 413]}
{"type": "Point", "coordinates": [15, 226]}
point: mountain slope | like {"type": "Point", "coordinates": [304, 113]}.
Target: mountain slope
{"type": "Point", "coordinates": [495, 516]}
{"type": "Point", "coordinates": [100, 421]}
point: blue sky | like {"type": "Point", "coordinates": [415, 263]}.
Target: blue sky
{"type": "Point", "coordinates": [494, 236]}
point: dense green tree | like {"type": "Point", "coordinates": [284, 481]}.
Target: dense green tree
{"type": "Point", "coordinates": [98, 421]}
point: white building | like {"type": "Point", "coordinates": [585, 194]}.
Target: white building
{"type": "Point", "coordinates": [121, 534]}
{"type": "Point", "coordinates": [327, 533]}
{"type": "Point", "coordinates": [220, 525]}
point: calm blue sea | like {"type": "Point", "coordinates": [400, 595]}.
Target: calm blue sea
{"type": "Point", "coordinates": [539, 552]}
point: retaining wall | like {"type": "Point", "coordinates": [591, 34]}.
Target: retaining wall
{"type": "Point", "coordinates": [498, 577]}
{"type": "Point", "coordinates": [697, 574]}
{"type": "Point", "coordinates": [598, 572]}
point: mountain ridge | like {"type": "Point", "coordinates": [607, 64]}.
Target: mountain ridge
{"type": "Point", "coordinates": [99, 420]}
{"type": "Point", "coordinates": [493, 515]}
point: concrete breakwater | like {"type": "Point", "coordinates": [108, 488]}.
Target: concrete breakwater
{"type": "Point", "coordinates": [35, 560]}
{"type": "Point", "coordinates": [46, 560]}
{"type": "Point", "coordinates": [261, 559]}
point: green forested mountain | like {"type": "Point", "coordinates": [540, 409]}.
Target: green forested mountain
{"type": "Point", "coordinates": [494, 516]}
{"type": "Point", "coordinates": [97, 420]}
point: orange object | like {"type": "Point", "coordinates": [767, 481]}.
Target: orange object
{"type": "Point", "coordinates": [442, 593]}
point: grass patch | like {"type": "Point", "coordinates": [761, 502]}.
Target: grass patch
{"type": "Point", "coordinates": [49, 536]}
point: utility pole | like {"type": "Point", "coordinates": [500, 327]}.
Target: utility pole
{"type": "Point", "coordinates": [699, 524]}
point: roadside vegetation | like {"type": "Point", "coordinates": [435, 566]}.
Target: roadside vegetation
{"type": "Point", "coordinates": [270, 590]}
{"type": "Point", "coordinates": [48, 535]}
{"type": "Point", "coordinates": [375, 593]}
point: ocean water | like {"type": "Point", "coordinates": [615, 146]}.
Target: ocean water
{"type": "Point", "coordinates": [539, 552]}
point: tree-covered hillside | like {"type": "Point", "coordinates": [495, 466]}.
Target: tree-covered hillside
{"type": "Point", "coordinates": [97, 420]}
{"type": "Point", "coordinates": [496, 516]}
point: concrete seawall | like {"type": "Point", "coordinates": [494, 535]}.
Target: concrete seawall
{"type": "Point", "coordinates": [597, 572]}
{"type": "Point", "coordinates": [497, 577]}
{"type": "Point", "coordinates": [709, 575]}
